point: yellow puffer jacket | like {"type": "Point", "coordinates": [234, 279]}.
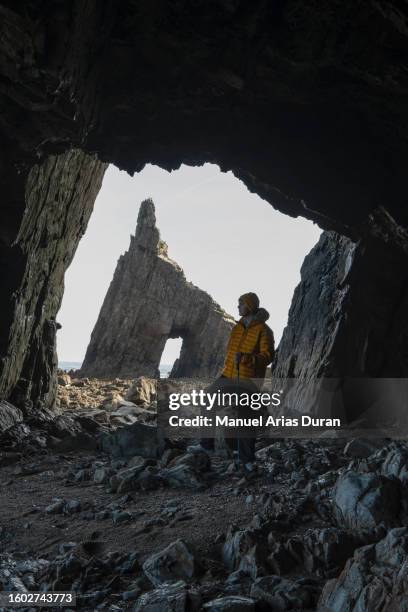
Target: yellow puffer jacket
{"type": "Point", "coordinates": [257, 345]}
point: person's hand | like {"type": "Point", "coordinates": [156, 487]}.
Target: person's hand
{"type": "Point", "coordinates": [243, 358]}
{"type": "Point", "coordinates": [246, 358]}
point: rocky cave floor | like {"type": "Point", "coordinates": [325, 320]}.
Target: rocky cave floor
{"type": "Point", "coordinates": [318, 525]}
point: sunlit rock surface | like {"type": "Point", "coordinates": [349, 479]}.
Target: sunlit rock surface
{"type": "Point", "coordinates": [149, 300]}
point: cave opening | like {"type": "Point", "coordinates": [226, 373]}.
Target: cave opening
{"type": "Point", "coordinates": [305, 103]}
{"type": "Point", "coordinates": [170, 354]}
{"type": "Point", "coordinates": [227, 241]}
{"type": "Point", "coordinates": [297, 121]}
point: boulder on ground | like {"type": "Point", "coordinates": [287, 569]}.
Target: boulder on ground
{"type": "Point", "coordinates": [130, 440]}
{"type": "Point", "coordinates": [128, 413]}
{"type": "Point", "coordinates": [142, 391]}
{"type": "Point", "coordinates": [360, 448]}
{"type": "Point", "coordinates": [280, 594]}
{"type": "Point", "coordinates": [396, 464]}
{"type": "Point", "coordinates": [169, 598]}
{"type": "Point", "coordinates": [102, 474]}
{"type": "Point", "coordinates": [63, 378]}
{"type": "Point", "coordinates": [245, 550]}
{"type": "Point", "coordinates": [323, 550]}
{"type": "Point", "coordinates": [126, 479]}
{"type": "Point", "coordinates": [182, 476]}
{"type": "Point", "coordinates": [173, 563]}
{"type": "Point", "coordinates": [230, 603]}
{"type": "Point", "coordinates": [79, 440]}
{"type": "Point", "coordinates": [363, 501]}
{"type": "Point", "coordinates": [9, 415]}
{"type": "Point", "coordinates": [63, 426]}
{"type": "Point", "coordinates": [113, 400]}
{"type": "Point", "coordinates": [196, 458]}
{"type": "Point", "coordinates": [374, 579]}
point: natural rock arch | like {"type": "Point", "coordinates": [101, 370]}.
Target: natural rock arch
{"type": "Point", "coordinates": [148, 301]}
{"type": "Point", "coordinates": [306, 103]}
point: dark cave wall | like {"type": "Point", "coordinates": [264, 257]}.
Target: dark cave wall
{"type": "Point", "coordinates": [305, 102]}
{"type": "Point", "coordinates": [348, 317]}
{"type": "Point", "coordinates": [59, 198]}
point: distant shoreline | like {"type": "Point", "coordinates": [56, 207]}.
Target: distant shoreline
{"type": "Point", "coordinates": [69, 365]}
{"type": "Point", "coordinates": [165, 368]}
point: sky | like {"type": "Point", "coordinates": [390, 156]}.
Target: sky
{"type": "Point", "coordinates": [227, 240]}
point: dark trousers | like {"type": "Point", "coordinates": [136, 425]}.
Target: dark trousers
{"type": "Point", "coordinates": [245, 446]}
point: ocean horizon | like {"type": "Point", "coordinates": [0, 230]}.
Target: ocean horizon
{"type": "Point", "coordinates": [164, 368]}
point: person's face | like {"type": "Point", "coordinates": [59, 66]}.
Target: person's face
{"type": "Point", "coordinates": [243, 309]}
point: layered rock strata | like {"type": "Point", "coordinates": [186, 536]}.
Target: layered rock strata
{"type": "Point", "coordinates": [348, 319]}
{"type": "Point", "coordinates": [149, 300]}
{"type": "Point", "coordinates": [59, 199]}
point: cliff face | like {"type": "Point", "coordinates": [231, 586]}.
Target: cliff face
{"type": "Point", "coordinates": [60, 195]}
{"type": "Point", "coordinates": [149, 300]}
{"type": "Point", "coordinates": [348, 313]}
{"type": "Point", "coordinates": [318, 305]}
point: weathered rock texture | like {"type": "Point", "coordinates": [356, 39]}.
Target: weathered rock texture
{"type": "Point", "coordinates": [59, 198]}
{"type": "Point", "coordinates": [305, 102]}
{"type": "Point", "coordinates": [348, 313]}
{"type": "Point", "coordinates": [374, 579]}
{"type": "Point", "coordinates": [149, 300]}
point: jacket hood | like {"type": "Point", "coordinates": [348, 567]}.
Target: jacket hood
{"type": "Point", "coordinates": [262, 315]}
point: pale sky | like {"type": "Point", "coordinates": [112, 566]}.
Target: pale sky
{"type": "Point", "coordinates": [227, 240]}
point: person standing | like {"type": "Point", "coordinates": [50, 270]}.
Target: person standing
{"type": "Point", "coordinates": [251, 344]}
{"type": "Point", "coordinates": [250, 350]}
